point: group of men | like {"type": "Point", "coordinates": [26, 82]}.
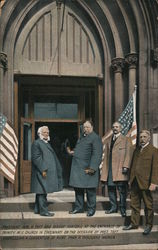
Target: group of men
{"type": "Point", "coordinates": [120, 167]}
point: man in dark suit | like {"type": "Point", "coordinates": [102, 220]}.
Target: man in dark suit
{"type": "Point", "coordinates": [115, 166]}
{"type": "Point", "coordinates": [143, 180]}
{"type": "Point", "coordinates": [46, 171]}
{"type": "Point", "coordinates": [84, 176]}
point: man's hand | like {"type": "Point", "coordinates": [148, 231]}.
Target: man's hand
{"type": "Point", "coordinates": [125, 170]}
{"type": "Point", "coordinates": [44, 174]}
{"type": "Point", "coordinates": [152, 187]}
{"type": "Point", "coordinates": [69, 151]}
{"type": "Point", "coordinates": [89, 171]}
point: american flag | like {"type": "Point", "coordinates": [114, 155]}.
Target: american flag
{"type": "Point", "coordinates": [8, 149]}
{"type": "Point", "coordinates": [128, 119]}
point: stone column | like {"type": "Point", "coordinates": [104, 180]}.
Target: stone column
{"type": "Point", "coordinates": [117, 65]}
{"type": "Point", "coordinates": [132, 60]}
{"type": "Point", "coordinates": [3, 69]}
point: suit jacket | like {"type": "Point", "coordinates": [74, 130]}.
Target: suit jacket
{"type": "Point", "coordinates": [145, 166]}
{"type": "Point", "coordinates": [44, 159]}
{"type": "Point", "coordinates": [121, 157]}
{"type": "Point", "coordinates": [87, 154]}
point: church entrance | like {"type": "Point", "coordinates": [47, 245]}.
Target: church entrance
{"type": "Point", "coordinates": [62, 105]}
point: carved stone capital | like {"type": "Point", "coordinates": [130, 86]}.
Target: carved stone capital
{"type": "Point", "coordinates": [118, 64]}
{"type": "Point", "coordinates": [154, 57]}
{"type": "Point", "coordinates": [59, 3]}
{"type": "Point", "coordinates": [131, 60]}
{"type": "Point", "coordinates": [3, 61]}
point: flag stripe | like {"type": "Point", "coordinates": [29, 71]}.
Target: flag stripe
{"type": "Point", "coordinates": [8, 149]}
{"type": "Point", "coordinates": [12, 133]}
{"type": "Point", "coordinates": [6, 166]}
{"type": "Point", "coordinates": [7, 156]}
{"type": "Point", "coordinates": [7, 174]}
{"type": "Point", "coordinates": [10, 140]}
{"type": "Point", "coordinates": [10, 166]}
{"type": "Point", "coordinates": [9, 146]}
{"type": "Point", "coordinates": [4, 147]}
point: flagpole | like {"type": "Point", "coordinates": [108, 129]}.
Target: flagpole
{"type": "Point", "coordinates": [134, 103]}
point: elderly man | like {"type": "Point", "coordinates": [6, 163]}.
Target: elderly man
{"type": "Point", "coordinates": [84, 175]}
{"type": "Point", "coordinates": [115, 168]}
{"type": "Point", "coordinates": [46, 171]}
{"type": "Point", "coordinates": [143, 180]}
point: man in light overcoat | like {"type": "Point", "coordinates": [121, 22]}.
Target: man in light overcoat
{"type": "Point", "coordinates": [143, 180]}
{"type": "Point", "coordinates": [46, 171]}
{"type": "Point", "coordinates": [84, 176]}
{"type": "Point", "coordinates": [115, 168]}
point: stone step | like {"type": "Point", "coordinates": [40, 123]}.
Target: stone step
{"type": "Point", "coordinates": [114, 247]}
{"type": "Point", "coordinates": [21, 229]}
{"type": "Point", "coordinates": [64, 219]}
{"type": "Point", "coordinates": [61, 201]}
{"type": "Point", "coordinates": [52, 205]}
{"type": "Point", "coordinates": [75, 237]}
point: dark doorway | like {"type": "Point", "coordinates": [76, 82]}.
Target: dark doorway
{"type": "Point", "coordinates": [61, 135]}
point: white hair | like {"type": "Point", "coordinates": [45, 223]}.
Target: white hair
{"type": "Point", "coordinates": [40, 129]}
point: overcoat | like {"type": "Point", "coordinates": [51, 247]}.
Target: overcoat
{"type": "Point", "coordinates": [121, 157]}
{"type": "Point", "coordinates": [144, 167]}
{"type": "Point", "coordinates": [44, 159]}
{"type": "Point", "coordinates": [87, 154]}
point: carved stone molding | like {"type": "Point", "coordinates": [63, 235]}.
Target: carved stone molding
{"type": "Point", "coordinates": [3, 61]}
{"type": "Point", "coordinates": [131, 60]}
{"type": "Point", "coordinates": [118, 64]}
{"type": "Point", "coordinates": [154, 57]}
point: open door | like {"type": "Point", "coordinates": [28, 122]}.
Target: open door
{"type": "Point", "coordinates": [62, 106]}
{"type": "Point", "coordinates": [27, 137]}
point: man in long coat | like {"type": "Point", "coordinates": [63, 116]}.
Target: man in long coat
{"type": "Point", "coordinates": [115, 167]}
{"type": "Point", "coordinates": [84, 174]}
{"type": "Point", "coordinates": [46, 171]}
{"type": "Point", "coordinates": [143, 180]}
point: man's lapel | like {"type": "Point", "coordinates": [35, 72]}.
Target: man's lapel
{"type": "Point", "coordinates": [118, 140]}
{"type": "Point", "coordinates": [48, 146]}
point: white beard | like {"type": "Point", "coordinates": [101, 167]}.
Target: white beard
{"type": "Point", "coordinates": [42, 138]}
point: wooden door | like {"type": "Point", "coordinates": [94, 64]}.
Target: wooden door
{"type": "Point", "coordinates": [27, 137]}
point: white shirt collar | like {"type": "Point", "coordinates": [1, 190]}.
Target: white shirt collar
{"type": "Point", "coordinates": [116, 136]}
{"type": "Point", "coordinates": [145, 145]}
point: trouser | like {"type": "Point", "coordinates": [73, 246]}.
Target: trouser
{"type": "Point", "coordinates": [41, 206]}
{"type": "Point", "coordinates": [136, 196]}
{"type": "Point", "coordinates": [112, 192]}
{"type": "Point", "coordinates": [91, 198]}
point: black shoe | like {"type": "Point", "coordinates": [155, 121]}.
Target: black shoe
{"type": "Point", "coordinates": [48, 214]}
{"type": "Point", "coordinates": [90, 213]}
{"type": "Point", "coordinates": [75, 211]}
{"type": "Point", "coordinates": [36, 212]}
{"type": "Point", "coordinates": [147, 230]}
{"type": "Point", "coordinates": [130, 227]}
{"type": "Point", "coordinates": [111, 211]}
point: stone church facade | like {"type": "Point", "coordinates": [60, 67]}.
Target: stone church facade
{"type": "Point", "coordinates": [64, 61]}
